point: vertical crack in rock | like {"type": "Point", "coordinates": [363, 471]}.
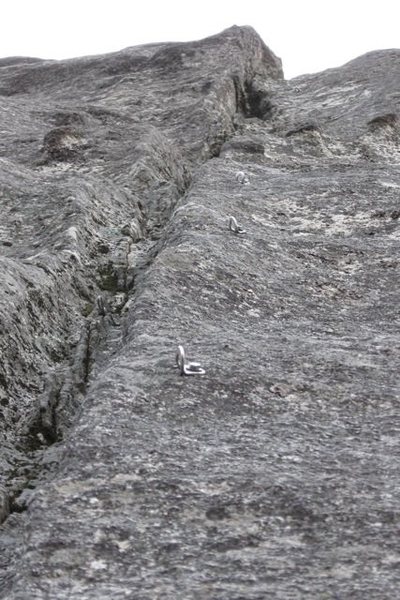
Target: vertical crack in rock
{"type": "Point", "coordinates": [120, 477]}
{"type": "Point", "coordinates": [86, 246]}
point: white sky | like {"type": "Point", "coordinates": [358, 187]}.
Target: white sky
{"type": "Point", "coordinates": [308, 35]}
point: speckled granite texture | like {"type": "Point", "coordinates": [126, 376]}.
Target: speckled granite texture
{"type": "Point", "coordinates": [275, 475]}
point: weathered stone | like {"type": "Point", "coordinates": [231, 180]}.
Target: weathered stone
{"type": "Point", "coordinates": [63, 144]}
{"type": "Point", "coordinates": [4, 504]}
{"type": "Point", "coordinates": [274, 473]}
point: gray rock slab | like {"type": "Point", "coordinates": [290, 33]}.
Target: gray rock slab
{"type": "Point", "coordinates": [273, 475]}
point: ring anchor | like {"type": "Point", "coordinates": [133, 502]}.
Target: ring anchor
{"type": "Point", "coordinates": [185, 366]}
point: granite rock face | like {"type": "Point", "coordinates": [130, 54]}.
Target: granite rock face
{"type": "Point", "coordinates": [273, 475]}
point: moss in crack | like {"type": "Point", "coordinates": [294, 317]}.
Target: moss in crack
{"type": "Point", "coordinates": [43, 432]}
{"type": "Point", "coordinates": [87, 309]}
{"type": "Point", "coordinates": [108, 278]}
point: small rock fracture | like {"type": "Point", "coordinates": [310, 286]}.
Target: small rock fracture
{"type": "Point", "coordinates": [103, 309]}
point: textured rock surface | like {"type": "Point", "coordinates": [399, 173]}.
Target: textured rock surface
{"type": "Point", "coordinates": [274, 475]}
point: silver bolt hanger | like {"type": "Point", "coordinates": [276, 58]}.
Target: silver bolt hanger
{"type": "Point", "coordinates": [242, 177]}
{"type": "Point", "coordinates": [234, 227]}
{"type": "Point", "coordinates": [185, 366]}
